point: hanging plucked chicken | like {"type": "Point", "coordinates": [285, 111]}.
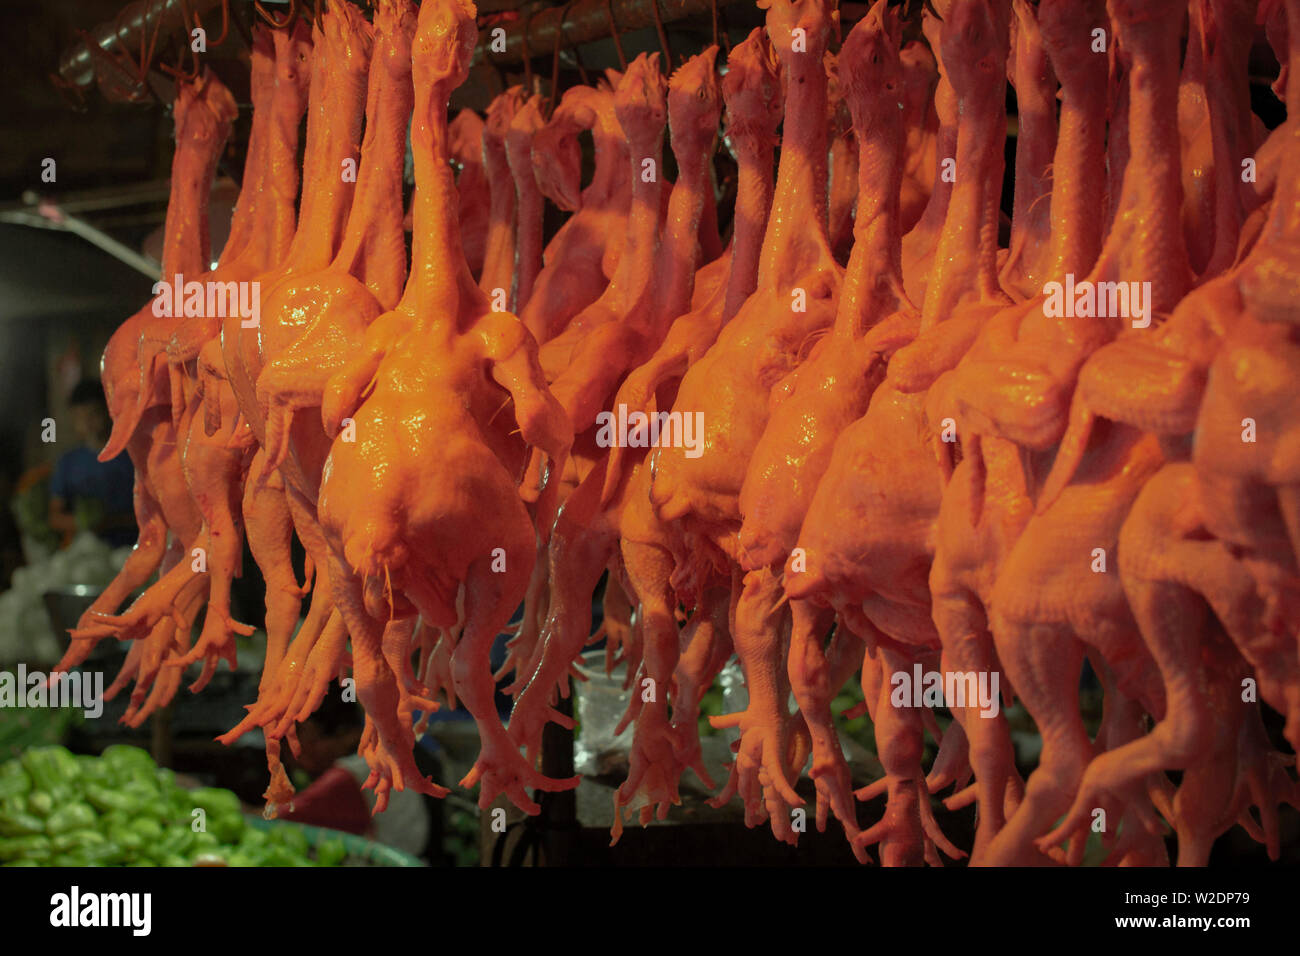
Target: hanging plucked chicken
{"type": "Point", "coordinates": [864, 442]}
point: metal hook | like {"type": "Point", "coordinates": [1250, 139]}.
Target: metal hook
{"type": "Point", "coordinates": [147, 53]}
{"type": "Point", "coordinates": [270, 18]}
{"type": "Point", "coordinates": [182, 76]}
{"type": "Point", "coordinates": [225, 22]}
{"type": "Point", "coordinates": [175, 71]}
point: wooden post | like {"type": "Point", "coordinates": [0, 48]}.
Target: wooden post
{"type": "Point", "coordinates": [559, 810]}
{"type": "Point", "coordinates": [161, 735]}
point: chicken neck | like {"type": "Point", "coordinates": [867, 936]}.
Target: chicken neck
{"type": "Point", "coordinates": [336, 107]}
{"type": "Point", "coordinates": [794, 239]}
{"type": "Point", "coordinates": [374, 247]}
{"type": "Point", "coordinates": [635, 272]}
{"type": "Point", "coordinates": [440, 290]}
{"type": "Point", "coordinates": [754, 146]}
{"type": "Point", "coordinates": [873, 280]}
{"type": "Point", "coordinates": [1147, 242]}
{"type": "Point", "coordinates": [975, 46]}
{"type": "Point", "coordinates": [262, 92]}
{"type": "Point", "coordinates": [499, 257]}
{"type": "Point", "coordinates": [680, 249]}
{"type": "Point", "coordinates": [528, 201]}
{"type": "Point", "coordinates": [1035, 86]}
{"type": "Point", "coordinates": [1079, 167]}
{"type": "Point", "coordinates": [204, 112]}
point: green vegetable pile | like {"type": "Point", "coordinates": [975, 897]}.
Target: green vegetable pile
{"type": "Point", "coordinates": [20, 730]}
{"type": "Point", "coordinates": [121, 809]}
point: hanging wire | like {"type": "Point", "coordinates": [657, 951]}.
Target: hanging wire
{"type": "Point", "coordinates": [138, 68]}
{"type": "Point", "coordinates": [175, 71]}
{"type": "Point", "coordinates": [663, 36]}
{"type": "Point", "coordinates": [138, 71]}
{"type": "Point", "coordinates": [555, 60]}
{"type": "Point", "coordinates": [613, 32]}
{"type": "Point", "coordinates": [146, 54]}
{"type": "Point", "coordinates": [528, 56]}
{"type": "Point", "coordinates": [577, 61]}
{"type": "Point", "coordinates": [577, 55]}
{"type": "Point", "coordinates": [144, 24]}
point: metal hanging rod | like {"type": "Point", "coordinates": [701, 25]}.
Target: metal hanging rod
{"type": "Point", "coordinates": [580, 21]}
{"type": "Point", "coordinates": [122, 34]}
{"type": "Point", "coordinates": [583, 21]}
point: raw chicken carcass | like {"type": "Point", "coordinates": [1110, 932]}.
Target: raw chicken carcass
{"type": "Point", "coordinates": [793, 302]}
{"type": "Point", "coordinates": [584, 536]}
{"type": "Point", "coordinates": [136, 386]}
{"type": "Point", "coordinates": [913, 462]}
{"type": "Point", "coordinates": [831, 389]}
{"type": "Point", "coordinates": [583, 256]}
{"type": "Point", "coordinates": [752, 92]}
{"type": "Point", "coordinates": [364, 280]}
{"type": "Point", "coordinates": [1218, 531]}
{"type": "Point", "coordinates": [989, 499]}
{"type": "Point", "coordinates": [866, 545]}
{"type": "Point", "coordinates": [405, 506]}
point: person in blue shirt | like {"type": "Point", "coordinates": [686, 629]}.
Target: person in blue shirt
{"type": "Point", "coordinates": [87, 492]}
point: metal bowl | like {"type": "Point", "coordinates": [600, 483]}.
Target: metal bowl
{"type": "Point", "coordinates": [66, 605]}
